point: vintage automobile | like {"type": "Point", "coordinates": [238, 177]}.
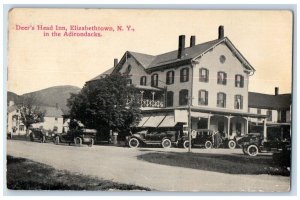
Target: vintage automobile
{"type": "Point", "coordinates": [164, 138]}
{"type": "Point", "coordinates": [78, 137]}
{"type": "Point", "coordinates": [40, 135]}
{"type": "Point", "coordinates": [253, 143]}
{"type": "Point", "coordinates": [200, 138]}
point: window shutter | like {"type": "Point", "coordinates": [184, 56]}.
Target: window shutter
{"type": "Point", "coordinates": [207, 75]}
{"type": "Point", "coordinates": [187, 74]}
{"type": "Point", "coordinates": [236, 80]}
{"type": "Point", "coordinates": [242, 81]}
{"type": "Point", "coordinates": [206, 97]}
{"type": "Point", "coordinates": [241, 102]}
{"type": "Point", "coordinates": [181, 75]}
{"type": "Point", "coordinates": [235, 102]}
{"type": "Point", "coordinates": [225, 78]}
{"type": "Point", "coordinates": [172, 76]}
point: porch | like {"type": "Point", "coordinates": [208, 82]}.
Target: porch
{"type": "Point", "coordinates": [151, 97]}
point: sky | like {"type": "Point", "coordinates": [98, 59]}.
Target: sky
{"type": "Point", "coordinates": [36, 61]}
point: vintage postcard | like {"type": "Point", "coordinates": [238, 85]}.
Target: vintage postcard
{"type": "Point", "coordinates": [149, 100]}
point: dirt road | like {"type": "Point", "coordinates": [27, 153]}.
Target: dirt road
{"type": "Point", "coordinates": [121, 165]}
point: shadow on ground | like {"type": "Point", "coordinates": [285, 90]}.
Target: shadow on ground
{"type": "Point", "coordinates": [231, 164]}
{"type": "Point", "coordinates": [24, 174]}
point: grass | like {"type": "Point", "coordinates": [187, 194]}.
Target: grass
{"type": "Point", "coordinates": [231, 164]}
{"type": "Point", "coordinates": [24, 174]}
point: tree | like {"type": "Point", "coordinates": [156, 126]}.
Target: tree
{"type": "Point", "coordinates": [30, 112]}
{"type": "Point", "coordinates": [106, 104]}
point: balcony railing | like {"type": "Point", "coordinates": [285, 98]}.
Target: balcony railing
{"type": "Point", "coordinates": [152, 103]}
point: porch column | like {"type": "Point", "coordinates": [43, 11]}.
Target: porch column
{"type": "Point", "coordinates": [247, 124]}
{"type": "Point", "coordinates": [153, 93]}
{"type": "Point", "coordinates": [228, 125]}
{"type": "Point", "coordinates": [208, 121]}
{"type": "Point", "coordinates": [265, 130]}
{"type": "Point", "coordinates": [142, 97]}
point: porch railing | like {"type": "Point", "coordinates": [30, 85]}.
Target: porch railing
{"type": "Point", "coordinates": [152, 103]}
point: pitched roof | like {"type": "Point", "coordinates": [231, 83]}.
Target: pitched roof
{"type": "Point", "coordinates": [267, 101]}
{"type": "Point", "coordinates": [51, 111]}
{"type": "Point", "coordinates": [190, 53]}
{"type": "Point", "coordinates": [107, 72]}
{"type": "Point", "coordinates": [144, 59]}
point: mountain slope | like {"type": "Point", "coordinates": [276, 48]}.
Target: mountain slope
{"type": "Point", "coordinates": [50, 96]}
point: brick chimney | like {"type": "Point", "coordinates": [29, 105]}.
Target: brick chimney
{"type": "Point", "coordinates": [221, 32]}
{"type": "Point", "coordinates": [193, 41]}
{"type": "Point", "coordinates": [115, 62]}
{"type": "Point", "coordinates": [181, 46]}
{"type": "Point", "coordinates": [276, 91]}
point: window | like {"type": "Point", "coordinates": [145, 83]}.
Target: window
{"type": "Point", "coordinates": [203, 97]}
{"type": "Point", "coordinates": [238, 128]}
{"type": "Point", "coordinates": [222, 59]}
{"type": "Point", "coordinates": [128, 69]}
{"type": "Point", "coordinates": [222, 76]}
{"type": "Point", "coordinates": [21, 127]}
{"type": "Point", "coordinates": [170, 77]}
{"type": "Point", "coordinates": [184, 75]}
{"type": "Point", "coordinates": [259, 113]}
{"type": "Point", "coordinates": [154, 80]}
{"type": "Point", "coordinates": [202, 123]}
{"type": "Point", "coordinates": [239, 81]}
{"type": "Point", "coordinates": [238, 102]}
{"type": "Point", "coordinates": [170, 96]}
{"type": "Point", "coordinates": [203, 75]}
{"type": "Point", "coordinates": [55, 118]}
{"type": "Point", "coordinates": [183, 97]}
{"type": "Point", "coordinates": [269, 114]}
{"type": "Point", "coordinates": [143, 80]}
{"type": "Point", "coordinates": [221, 100]}
{"type": "Point", "coordinates": [129, 81]}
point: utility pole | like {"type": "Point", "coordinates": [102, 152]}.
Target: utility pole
{"type": "Point", "coordinates": [190, 123]}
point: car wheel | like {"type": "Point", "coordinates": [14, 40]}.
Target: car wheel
{"type": "Point", "coordinates": [56, 141]}
{"type": "Point", "coordinates": [133, 143]}
{"type": "Point", "coordinates": [245, 150]}
{"type": "Point", "coordinates": [231, 144]}
{"type": "Point", "coordinates": [252, 150]}
{"type": "Point", "coordinates": [91, 143]}
{"type": "Point", "coordinates": [208, 145]}
{"type": "Point", "coordinates": [78, 141]}
{"type": "Point", "coordinates": [166, 143]}
{"type": "Point", "coordinates": [186, 144]}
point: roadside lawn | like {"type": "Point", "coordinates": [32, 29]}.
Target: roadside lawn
{"type": "Point", "coordinates": [231, 163]}
{"type": "Point", "coordinates": [24, 174]}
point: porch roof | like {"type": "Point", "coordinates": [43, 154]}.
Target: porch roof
{"type": "Point", "coordinates": [227, 112]}
{"type": "Point", "coordinates": [146, 87]}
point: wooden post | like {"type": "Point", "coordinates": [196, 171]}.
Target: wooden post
{"type": "Point", "coordinates": [265, 130]}
{"type": "Point", "coordinates": [208, 122]}
{"type": "Point", "coordinates": [228, 126]}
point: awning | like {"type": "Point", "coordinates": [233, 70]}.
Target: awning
{"type": "Point", "coordinates": [169, 121]}
{"type": "Point", "coordinates": [154, 121]}
{"type": "Point", "coordinates": [143, 120]}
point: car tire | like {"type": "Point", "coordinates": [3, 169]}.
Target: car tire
{"type": "Point", "coordinates": [231, 144]}
{"type": "Point", "coordinates": [78, 141]}
{"type": "Point", "coordinates": [91, 143]}
{"type": "Point", "coordinates": [133, 143]}
{"type": "Point", "coordinates": [245, 150]}
{"type": "Point", "coordinates": [208, 145]}
{"type": "Point", "coordinates": [166, 143]}
{"type": "Point", "coordinates": [56, 140]}
{"type": "Point", "coordinates": [186, 144]}
{"type": "Point", "coordinates": [252, 150]}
